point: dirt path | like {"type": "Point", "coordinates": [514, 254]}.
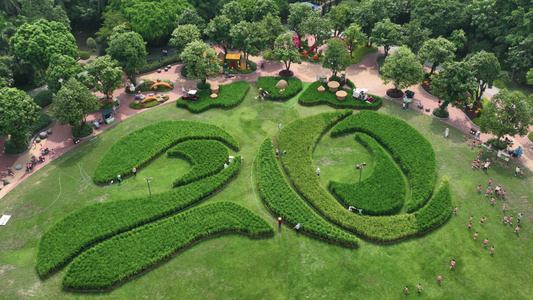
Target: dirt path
{"type": "Point", "coordinates": [364, 75]}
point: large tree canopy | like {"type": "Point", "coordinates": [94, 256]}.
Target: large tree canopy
{"type": "Point", "coordinates": [191, 16]}
{"type": "Point", "coordinates": [317, 27]}
{"type": "Point", "coordinates": [354, 36]}
{"type": "Point", "coordinates": [73, 103]}
{"type": "Point", "coordinates": [17, 113]}
{"type": "Point", "coordinates": [336, 56]}
{"type": "Point", "coordinates": [61, 69]}
{"type": "Point", "coordinates": [414, 35]}
{"type": "Point", "coordinates": [272, 28]}
{"type": "Point", "coordinates": [183, 35]}
{"type": "Point", "coordinates": [297, 15]}
{"type": "Point", "coordinates": [249, 37]}
{"type": "Point", "coordinates": [402, 68]}
{"type": "Point", "coordinates": [129, 50]}
{"type": "Point", "coordinates": [265, 7]}
{"type": "Point", "coordinates": [340, 17]}
{"type": "Point", "coordinates": [234, 11]}
{"type": "Point", "coordinates": [200, 61]}
{"type": "Point", "coordinates": [45, 9]}
{"type": "Point", "coordinates": [106, 74]}
{"type": "Point", "coordinates": [453, 84]}
{"type": "Point", "coordinates": [153, 20]}
{"type": "Point", "coordinates": [508, 113]}
{"type": "Point", "coordinates": [38, 42]}
{"type": "Point", "coordinates": [441, 16]}
{"type": "Point", "coordinates": [486, 69]}
{"type": "Point", "coordinates": [285, 51]}
{"type": "Point", "coordinates": [386, 34]}
{"type": "Point", "coordinates": [111, 19]}
{"type": "Point", "coordinates": [437, 51]}
{"type": "Point", "coordinates": [218, 31]}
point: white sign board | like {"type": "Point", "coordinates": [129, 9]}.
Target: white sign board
{"type": "Point", "coordinates": [4, 219]}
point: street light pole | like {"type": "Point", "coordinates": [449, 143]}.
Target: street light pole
{"type": "Point", "coordinates": [360, 168]}
{"type": "Point", "coordinates": [148, 182]}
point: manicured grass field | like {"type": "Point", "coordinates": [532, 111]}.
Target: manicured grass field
{"type": "Point", "coordinates": [286, 266]}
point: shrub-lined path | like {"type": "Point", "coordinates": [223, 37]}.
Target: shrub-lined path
{"type": "Point", "coordinates": [363, 74]}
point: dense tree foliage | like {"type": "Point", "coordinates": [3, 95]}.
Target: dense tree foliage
{"type": "Point", "coordinates": [486, 69]}
{"type": "Point", "coordinates": [386, 34]}
{"type": "Point", "coordinates": [17, 113]}
{"type": "Point", "coordinates": [234, 11]}
{"type": "Point", "coordinates": [285, 51]}
{"type": "Point", "coordinates": [61, 69]}
{"type": "Point", "coordinates": [317, 27]}
{"type": "Point", "coordinates": [273, 28]}
{"type": "Point", "coordinates": [38, 42]}
{"type": "Point", "coordinates": [183, 35]}
{"type": "Point", "coordinates": [73, 103]}
{"type": "Point", "coordinates": [111, 19]}
{"type": "Point", "coordinates": [414, 35]}
{"type": "Point", "coordinates": [354, 36]}
{"type": "Point", "coordinates": [441, 16]}
{"type": "Point", "coordinates": [402, 68]}
{"type": "Point", "coordinates": [191, 16]}
{"type": "Point", "coordinates": [249, 37]}
{"type": "Point", "coordinates": [6, 74]}
{"type": "Point", "coordinates": [453, 84]}
{"type": "Point", "coordinates": [297, 15]}
{"type": "Point", "coordinates": [129, 50]}
{"type": "Point", "coordinates": [45, 9]}
{"type": "Point", "coordinates": [436, 51]}
{"type": "Point", "coordinates": [200, 61]}
{"type": "Point", "coordinates": [336, 56]}
{"type": "Point", "coordinates": [508, 113]}
{"type": "Point", "coordinates": [340, 17]}
{"type": "Point", "coordinates": [263, 8]}
{"type": "Point", "coordinates": [218, 31]}
{"type": "Point", "coordinates": [105, 74]}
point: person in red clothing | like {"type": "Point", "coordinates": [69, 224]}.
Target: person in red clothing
{"type": "Point", "coordinates": [419, 288]}
{"type": "Point", "coordinates": [482, 221]}
{"type": "Point", "coordinates": [439, 279]}
{"type": "Point", "coordinates": [479, 189]}
{"type": "Point", "coordinates": [452, 264]}
{"type": "Point", "coordinates": [475, 236]}
{"type": "Point", "coordinates": [469, 226]}
{"type": "Point", "coordinates": [279, 222]}
{"type": "Point", "coordinates": [491, 250]}
{"type": "Point", "coordinates": [485, 243]}
{"type": "Point", "coordinates": [471, 217]}
{"type": "Point", "coordinates": [517, 229]}
{"type": "Point", "coordinates": [406, 290]}
{"type": "Point", "coordinates": [492, 201]}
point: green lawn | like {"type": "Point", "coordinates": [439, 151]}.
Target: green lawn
{"type": "Point", "coordinates": [286, 266]}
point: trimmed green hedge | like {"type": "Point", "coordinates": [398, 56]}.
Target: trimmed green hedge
{"type": "Point", "coordinates": [129, 254]}
{"type": "Point", "coordinates": [437, 209]}
{"type": "Point", "coordinates": [269, 84]}
{"type": "Point", "coordinates": [284, 202]}
{"type": "Point", "coordinates": [230, 95]}
{"type": "Point", "coordinates": [206, 156]}
{"type": "Point", "coordinates": [299, 138]}
{"type": "Point", "coordinates": [139, 147]}
{"type": "Point", "coordinates": [99, 221]}
{"type": "Point", "coordinates": [43, 98]}
{"type": "Point", "coordinates": [411, 149]}
{"type": "Point", "coordinates": [381, 193]}
{"type": "Point", "coordinates": [311, 97]}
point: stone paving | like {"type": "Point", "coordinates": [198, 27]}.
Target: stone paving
{"type": "Point", "coordinates": [364, 75]}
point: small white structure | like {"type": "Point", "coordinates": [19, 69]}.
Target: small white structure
{"type": "Point", "coordinates": [4, 219]}
{"type": "Point", "coordinates": [360, 94]}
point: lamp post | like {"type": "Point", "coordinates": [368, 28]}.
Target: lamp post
{"type": "Point", "coordinates": [148, 182]}
{"type": "Point", "coordinates": [360, 168]}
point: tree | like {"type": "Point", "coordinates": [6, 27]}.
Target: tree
{"type": "Point", "coordinates": [218, 32]}
{"type": "Point", "coordinates": [190, 16]}
{"type": "Point", "coordinates": [453, 84]}
{"type": "Point", "coordinates": [442, 16]}
{"type": "Point", "coordinates": [106, 74]}
{"type": "Point", "coordinates": [530, 76]}
{"type": "Point", "coordinates": [111, 19]}
{"type": "Point", "coordinates": [17, 113]}
{"type": "Point", "coordinates": [520, 56]}
{"type": "Point", "coordinates": [437, 51]}
{"type": "Point", "coordinates": [200, 61]}
{"type": "Point", "coordinates": [297, 15]}
{"type": "Point", "coordinates": [129, 50]}
{"type": "Point", "coordinates": [82, 13]}
{"type": "Point", "coordinates": [6, 74]}
{"type": "Point", "coordinates": [45, 9]}
{"type": "Point", "coordinates": [354, 36]}
{"type": "Point", "coordinates": [508, 113]}
{"type": "Point", "coordinates": [91, 44]}
{"type": "Point", "coordinates": [317, 27]}
{"type": "Point", "coordinates": [336, 56]}
{"type": "Point", "coordinates": [386, 34]}
{"type": "Point", "coordinates": [272, 28]}
{"type": "Point", "coordinates": [73, 103]}
{"type": "Point", "coordinates": [61, 69]}
{"type": "Point", "coordinates": [340, 17]}
{"type": "Point", "coordinates": [414, 35]}
{"type": "Point", "coordinates": [369, 12]}
{"type": "Point", "coordinates": [486, 69]}
{"type": "Point", "coordinates": [458, 38]}
{"type": "Point", "coordinates": [36, 43]}
{"type": "Point", "coordinates": [248, 37]}
{"type": "Point", "coordinates": [207, 9]}
{"type": "Point", "coordinates": [183, 35]}
{"type": "Point", "coordinates": [233, 11]}
{"type": "Point", "coordinates": [402, 68]}
{"type": "Point", "coordinates": [285, 51]}
{"type": "Point", "coordinates": [263, 8]}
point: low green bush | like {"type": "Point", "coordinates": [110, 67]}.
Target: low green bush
{"type": "Point", "coordinates": [139, 147]}
{"type": "Point", "coordinates": [437, 209]}
{"type": "Point", "coordinates": [269, 84]}
{"type": "Point", "coordinates": [409, 147]}
{"type": "Point", "coordinates": [91, 44]}
{"type": "Point", "coordinates": [497, 144]}
{"type": "Point", "coordinates": [298, 138]}
{"type": "Point", "coordinates": [311, 96]}
{"type": "Point", "coordinates": [441, 113]}
{"type": "Point", "coordinates": [159, 63]}
{"type": "Point", "coordinates": [84, 55]}
{"type": "Point", "coordinates": [269, 55]}
{"type": "Point", "coordinates": [83, 130]}
{"type": "Point", "coordinates": [284, 202]}
{"type": "Point", "coordinates": [229, 96]}
{"type": "Point", "coordinates": [350, 84]}
{"type": "Point", "coordinates": [43, 121]}
{"type": "Point", "coordinates": [381, 193]}
{"type": "Point", "coordinates": [99, 221]}
{"type": "Point", "coordinates": [127, 255]}
{"type": "Point", "coordinates": [530, 136]}
{"type": "Point", "coordinates": [206, 156]}
{"type": "Point", "coordinates": [43, 98]}
{"type": "Point", "coordinates": [203, 86]}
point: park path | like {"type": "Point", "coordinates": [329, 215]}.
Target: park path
{"type": "Point", "coordinates": [364, 75]}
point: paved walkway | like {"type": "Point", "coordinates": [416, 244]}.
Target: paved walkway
{"type": "Point", "coordinates": [363, 74]}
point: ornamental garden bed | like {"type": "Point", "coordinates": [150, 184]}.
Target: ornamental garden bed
{"type": "Point", "coordinates": [149, 102]}
{"type": "Point", "coordinates": [148, 85]}
{"type": "Point", "coordinates": [269, 84]}
{"type": "Point", "coordinates": [229, 96]}
{"type": "Point", "coordinates": [311, 96]}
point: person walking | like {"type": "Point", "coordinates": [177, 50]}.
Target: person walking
{"type": "Point", "coordinates": [516, 171]}
{"type": "Point", "coordinates": [485, 242]}
{"type": "Point", "coordinates": [504, 220]}
{"type": "Point", "coordinates": [504, 208]}
{"type": "Point", "coordinates": [490, 182]}
{"type": "Point", "coordinates": [419, 288]}
{"type": "Point", "coordinates": [471, 218]}
{"type": "Point", "coordinates": [475, 236]}
{"type": "Point", "coordinates": [318, 172]}
{"type": "Point", "coordinates": [491, 250]}
{"type": "Point", "coordinates": [279, 127]}
{"type": "Point", "coordinates": [469, 226]}
{"type": "Point", "coordinates": [279, 223]}
{"type": "Point", "coordinates": [439, 279]}
{"type": "Point", "coordinates": [406, 291]}
{"type": "Point", "coordinates": [479, 189]}
{"type": "Point", "coordinates": [119, 179]}
{"type": "Point", "coordinates": [492, 201]}
{"type": "Point", "coordinates": [482, 221]}
{"type": "Point", "coordinates": [403, 106]}
{"type": "Point", "coordinates": [446, 132]}
{"type": "Point", "coordinates": [297, 227]}
{"type": "Point", "coordinates": [455, 211]}
{"type": "Point", "coordinates": [134, 172]}
{"type": "Point", "coordinates": [452, 264]}
{"type": "Point", "coordinates": [517, 229]}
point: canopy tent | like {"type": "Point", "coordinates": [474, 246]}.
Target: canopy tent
{"type": "Point", "coordinates": [313, 6]}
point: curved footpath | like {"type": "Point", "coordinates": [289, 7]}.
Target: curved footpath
{"type": "Point", "coordinates": [363, 74]}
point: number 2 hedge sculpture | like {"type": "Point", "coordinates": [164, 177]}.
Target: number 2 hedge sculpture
{"type": "Point", "coordinates": [98, 231]}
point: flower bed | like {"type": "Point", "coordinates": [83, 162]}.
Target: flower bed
{"type": "Point", "coordinates": [381, 193]}
{"type": "Point", "coordinates": [79, 230]}
{"type": "Point", "coordinates": [142, 145]}
{"type": "Point", "coordinates": [140, 104]}
{"type": "Point", "coordinates": [206, 156]}
{"type": "Point", "coordinates": [284, 202]}
{"type": "Point", "coordinates": [311, 97]}
{"type": "Point", "coordinates": [131, 253]}
{"type": "Point", "coordinates": [229, 96]}
{"type": "Point", "coordinates": [411, 149]}
{"type": "Point", "coordinates": [269, 84]}
{"type": "Point", "coordinates": [148, 85]}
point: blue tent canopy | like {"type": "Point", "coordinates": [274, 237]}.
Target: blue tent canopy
{"type": "Point", "coordinates": [313, 6]}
